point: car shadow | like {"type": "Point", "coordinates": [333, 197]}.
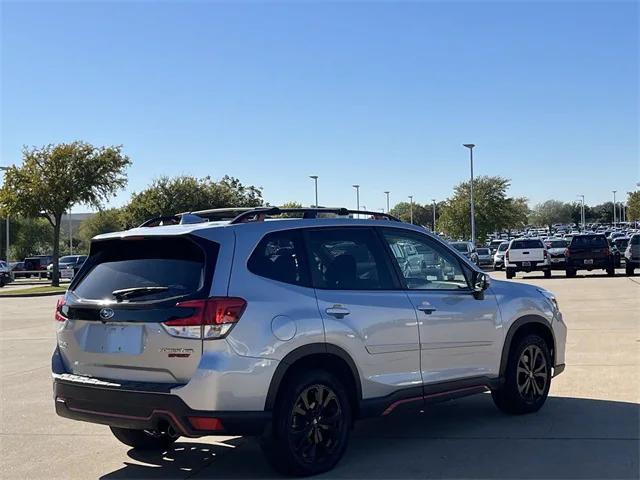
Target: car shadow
{"type": "Point", "coordinates": [466, 438]}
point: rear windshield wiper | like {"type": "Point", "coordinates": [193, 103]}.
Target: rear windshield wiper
{"type": "Point", "coordinates": [124, 293]}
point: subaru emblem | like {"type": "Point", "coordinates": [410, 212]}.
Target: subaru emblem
{"type": "Point", "coordinates": [106, 313]}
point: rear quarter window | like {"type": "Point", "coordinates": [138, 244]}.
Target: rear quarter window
{"type": "Point", "coordinates": [280, 256]}
{"type": "Point", "coordinates": [176, 263]}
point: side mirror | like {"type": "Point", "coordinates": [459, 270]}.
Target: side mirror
{"type": "Point", "coordinates": [480, 283]}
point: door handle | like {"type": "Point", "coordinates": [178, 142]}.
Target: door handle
{"type": "Point", "coordinates": [427, 308]}
{"type": "Point", "coordinates": [338, 311]}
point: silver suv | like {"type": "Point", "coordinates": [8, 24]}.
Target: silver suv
{"type": "Point", "coordinates": [290, 329]}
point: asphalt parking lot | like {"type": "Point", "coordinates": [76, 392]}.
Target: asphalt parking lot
{"type": "Point", "coordinates": [589, 427]}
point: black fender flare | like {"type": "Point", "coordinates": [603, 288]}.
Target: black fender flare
{"type": "Point", "coordinates": [305, 351]}
{"type": "Point", "coordinates": [515, 326]}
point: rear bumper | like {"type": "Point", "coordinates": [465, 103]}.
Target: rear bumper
{"type": "Point", "coordinates": [142, 410]}
{"type": "Point", "coordinates": [533, 266]}
{"type": "Point", "coordinates": [598, 264]}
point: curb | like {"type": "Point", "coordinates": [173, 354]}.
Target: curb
{"type": "Point", "coordinates": [23, 295]}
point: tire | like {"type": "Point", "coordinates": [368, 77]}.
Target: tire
{"type": "Point", "coordinates": [294, 443]}
{"type": "Point", "coordinates": [510, 273]}
{"type": "Point", "coordinates": [521, 393]}
{"type": "Point", "coordinates": [611, 271]}
{"type": "Point", "coordinates": [547, 274]}
{"type": "Point", "coordinates": [143, 439]}
{"type": "Point", "coordinates": [570, 273]}
{"type": "Point", "coordinates": [628, 270]}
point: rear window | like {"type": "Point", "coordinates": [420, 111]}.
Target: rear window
{"type": "Point", "coordinates": [483, 251]}
{"type": "Point", "coordinates": [461, 247]}
{"type": "Point", "coordinates": [589, 241]}
{"type": "Point", "coordinates": [174, 266]}
{"type": "Point", "coordinates": [525, 244]}
{"type": "Point", "coordinates": [558, 244]}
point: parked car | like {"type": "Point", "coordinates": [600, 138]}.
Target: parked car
{"type": "Point", "coordinates": [484, 256]}
{"type": "Point", "coordinates": [618, 246]}
{"type": "Point", "coordinates": [556, 248]}
{"type": "Point", "coordinates": [498, 257]}
{"type": "Point", "coordinates": [526, 255]}
{"type": "Point", "coordinates": [494, 244]}
{"type": "Point", "coordinates": [5, 273]}
{"type": "Point", "coordinates": [67, 265]}
{"type": "Point", "coordinates": [589, 252]}
{"type": "Point", "coordinates": [37, 263]}
{"type": "Point", "coordinates": [289, 330]}
{"type": "Point", "coordinates": [632, 254]}
{"type": "Point", "coordinates": [17, 269]}
{"type": "Point", "coordinates": [467, 249]}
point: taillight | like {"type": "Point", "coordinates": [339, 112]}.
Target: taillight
{"type": "Point", "coordinates": [545, 254]}
{"type": "Point", "coordinates": [210, 318]}
{"type": "Point", "coordinates": [59, 317]}
{"type": "Point", "coordinates": [506, 255]}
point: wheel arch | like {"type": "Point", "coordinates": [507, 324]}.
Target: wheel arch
{"type": "Point", "coordinates": [524, 326]}
{"type": "Point", "coordinates": [323, 355]}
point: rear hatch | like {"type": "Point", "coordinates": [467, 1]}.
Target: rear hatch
{"type": "Point", "coordinates": [588, 249]}
{"type": "Point", "coordinates": [118, 314]}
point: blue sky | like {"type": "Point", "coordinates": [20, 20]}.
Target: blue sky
{"type": "Point", "coordinates": [380, 94]}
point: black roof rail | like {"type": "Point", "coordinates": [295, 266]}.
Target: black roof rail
{"type": "Point", "coordinates": [260, 213]}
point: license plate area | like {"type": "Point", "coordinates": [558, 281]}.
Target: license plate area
{"type": "Point", "coordinates": [526, 264]}
{"type": "Point", "coordinates": [588, 261]}
{"type": "Point", "coordinates": [115, 339]}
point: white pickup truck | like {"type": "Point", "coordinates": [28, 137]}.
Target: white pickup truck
{"type": "Point", "coordinates": [526, 255]}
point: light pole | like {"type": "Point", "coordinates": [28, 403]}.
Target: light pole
{"type": "Point", "coordinates": [410, 208]}
{"type": "Point", "coordinates": [315, 181]}
{"type": "Point", "coordinates": [434, 214]}
{"type": "Point", "coordinates": [614, 207]}
{"type": "Point", "coordinates": [387, 194]}
{"type": "Point", "coordinates": [582, 212]}
{"type": "Point", "coordinates": [70, 234]}
{"type": "Point", "coordinates": [7, 224]}
{"type": "Point", "coordinates": [473, 216]}
{"type": "Point", "coordinates": [357, 187]}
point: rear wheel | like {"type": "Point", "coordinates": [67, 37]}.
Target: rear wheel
{"type": "Point", "coordinates": [611, 271]}
{"type": "Point", "coordinates": [311, 423]}
{"type": "Point", "coordinates": [144, 439]}
{"type": "Point", "coordinates": [570, 273]}
{"type": "Point", "coordinates": [628, 269]}
{"type": "Point", "coordinates": [510, 273]}
{"type": "Point", "coordinates": [527, 379]}
{"type": "Point", "coordinates": [547, 274]}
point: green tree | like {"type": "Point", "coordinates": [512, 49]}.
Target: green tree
{"type": "Point", "coordinates": [104, 221]}
{"type": "Point", "coordinates": [30, 236]}
{"type": "Point", "coordinates": [633, 206]}
{"type": "Point", "coordinates": [422, 214]}
{"type": "Point", "coordinates": [54, 178]}
{"type": "Point", "coordinates": [167, 196]}
{"type": "Point", "coordinates": [550, 212]}
{"type": "Point", "coordinates": [494, 210]}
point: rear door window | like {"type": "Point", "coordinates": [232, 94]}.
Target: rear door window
{"type": "Point", "coordinates": [280, 256]}
{"type": "Point", "coordinates": [348, 259]}
{"type": "Point", "coordinates": [144, 269]}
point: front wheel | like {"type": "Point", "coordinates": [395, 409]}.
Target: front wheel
{"type": "Point", "coordinates": [144, 439]}
{"type": "Point", "coordinates": [311, 423]}
{"type": "Point", "coordinates": [527, 379]}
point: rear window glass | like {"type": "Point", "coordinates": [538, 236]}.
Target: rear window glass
{"type": "Point", "coordinates": [169, 267]}
{"type": "Point", "coordinates": [483, 251]}
{"type": "Point", "coordinates": [589, 241]}
{"type": "Point", "coordinates": [558, 244]}
{"type": "Point", "coordinates": [461, 247]}
{"type": "Point", "coordinates": [524, 244]}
